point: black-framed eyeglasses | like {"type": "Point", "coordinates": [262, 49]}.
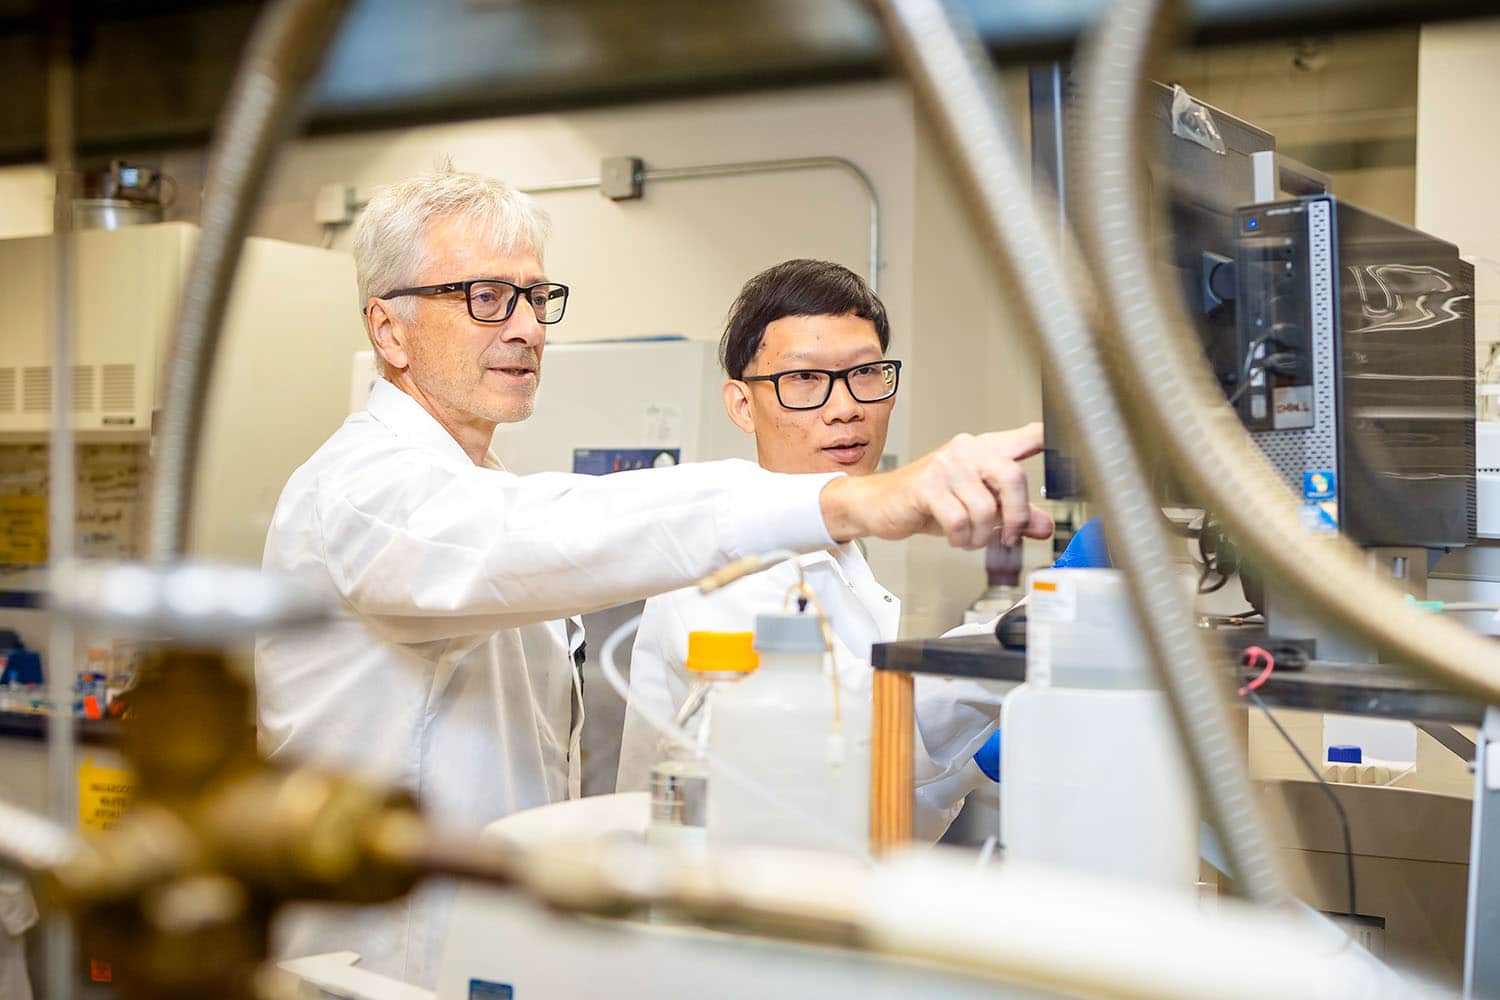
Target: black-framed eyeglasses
{"type": "Point", "coordinates": [492, 300]}
{"type": "Point", "coordinates": [809, 388]}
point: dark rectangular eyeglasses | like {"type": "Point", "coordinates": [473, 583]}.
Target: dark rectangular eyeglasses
{"type": "Point", "coordinates": [492, 300]}
{"type": "Point", "coordinates": [809, 388]}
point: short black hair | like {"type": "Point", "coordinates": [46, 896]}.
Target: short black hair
{"type": "Point", "coordinates": [795, 288]}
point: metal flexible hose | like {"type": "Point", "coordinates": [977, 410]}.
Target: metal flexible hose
{"type": "Point", "coordinates": [62, 500]}
{"type": "Point", "coordinates": [957, 87]}
{"type": "Point", "coordinates": [1175, 401]}
{"type": "Point", "coordinates": [284, 52]}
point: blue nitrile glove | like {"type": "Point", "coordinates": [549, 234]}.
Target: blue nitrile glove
{"type": "Point", "coordinates": [1086, 549]}
{"type": "Point", "coordinates": [988, 757]}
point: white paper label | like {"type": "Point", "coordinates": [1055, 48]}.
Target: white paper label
{"type": "Point", "coordinates": [1293, 407]}
{"type": "Point", "coordinates": [1054, 600]}
{"type": "Point", "coordinates": [663, 424]}
{"type": "Point", "coordinates": [1038, 653]}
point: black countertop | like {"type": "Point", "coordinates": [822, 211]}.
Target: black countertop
{"type": "Point", "coordinates": [30, 726]}
{"type": "Point", "coordinates": [1365, 689]}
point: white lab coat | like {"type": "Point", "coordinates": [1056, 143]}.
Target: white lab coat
{"type": "Point", "coordinates": [953, 717]}
{"type": "Point", "coordinates": [448, 671]}
{"type": "Point", "coordinates": [17, 916]}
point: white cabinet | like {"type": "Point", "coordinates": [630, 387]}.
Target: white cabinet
{"type": "Point", "coordinates": [126, 288]}
{"type": "Point", "coordinates": [281, 378]}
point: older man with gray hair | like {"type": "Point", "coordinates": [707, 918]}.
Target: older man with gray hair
{"type": "Point", "coordinates": [451, 670]}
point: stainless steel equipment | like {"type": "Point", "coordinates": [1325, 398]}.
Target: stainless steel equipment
{"type": "Point", "coordinates": [122, 194]}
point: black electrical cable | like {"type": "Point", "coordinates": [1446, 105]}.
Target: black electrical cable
{"type": "Point", "coordinates": [1247, 368]}
{"type": "Point", "coordinates": [1328, 791]}
{"type": "Point", "coordinates": [1234, 397]}
{"type": "Point", "coordinates": [1278, 363]}
{"type": "Point", "coordinates": [1204, 587]}
{"type": "Point", "coordinates": [1209, 539]}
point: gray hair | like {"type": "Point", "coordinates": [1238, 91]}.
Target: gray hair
{"type": "Point", "coordinates": [390, 246]}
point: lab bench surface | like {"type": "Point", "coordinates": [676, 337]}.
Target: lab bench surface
{"type": "Point", "coordinates": [31, 726]}
{"type": "Point", "coordinates": [1375, 690]}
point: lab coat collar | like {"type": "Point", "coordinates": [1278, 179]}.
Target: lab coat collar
{"type": "Point", "coordinates": [847, 563]}
{"type": "Point", "coordinates": [811, 559]}
{"type": "Point", "coordinates": [406, 418]}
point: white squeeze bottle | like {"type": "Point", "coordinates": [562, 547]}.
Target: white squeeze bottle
{"type": "Point", "coordinates": [1093, 778]}
{"type": "Point", "coordinates": [789, 752]}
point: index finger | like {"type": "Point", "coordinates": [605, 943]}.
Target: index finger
{"type": "Point", "coordinates": [1040, 525]}
{"type": "Point", "coordinates": [1018, 444]}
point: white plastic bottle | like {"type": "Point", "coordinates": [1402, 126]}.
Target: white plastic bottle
{"type": "Point", "coordinates": [777, 728]}
{"type": "Point", "coordinates": [679, 779]}
{"type": "Point", "coordinates": [1093, 778]}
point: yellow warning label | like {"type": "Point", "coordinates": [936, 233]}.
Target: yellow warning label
{"type": "Point", "coordinates": [103, 795]}
{"type": "Point", "coordinates": [23, 530]}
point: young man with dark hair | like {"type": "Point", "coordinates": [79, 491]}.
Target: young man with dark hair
{"type": "Point", "coordinates": [805, 355]}
{"type": "Point", "coordinates": [804, 350]}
